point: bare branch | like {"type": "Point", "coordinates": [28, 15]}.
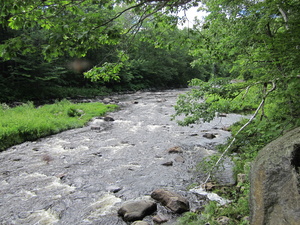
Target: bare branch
{"type": "Point", "coordinates": [243, 127]}
{"type": "Point", "coordinates": [284, 16]}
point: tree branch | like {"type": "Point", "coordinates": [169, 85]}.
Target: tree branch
{"type": "Point", "coordinates": [284, 16]}
{"type": "Point", "coordinates": [243, 127]}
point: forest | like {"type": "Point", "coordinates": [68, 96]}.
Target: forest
{"type": "Point", "coordinates": [243, 56]}
{"type": "Point", "coordinates": [82, 58]}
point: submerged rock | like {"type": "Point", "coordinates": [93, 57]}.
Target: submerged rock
{"type": "Point", "coordinates": [209, 135]}
{"type": "Point", "coordinates": [169, 163]}
{"type": "Point", "coordinates": [179, 159]}
{"type": "Point", "coordinates": [113, 189]}
{"type": "Point", "coordinates": [108, 119]}
{"type": "Point", "coordinates": [274, 197]}
{"type": "Point", "coordinates": [172, 201]}
{"type": "Point", "coordinates": [175, 149]}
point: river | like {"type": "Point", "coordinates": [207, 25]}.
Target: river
{"type": "Point", "coordinates": [82, 176]}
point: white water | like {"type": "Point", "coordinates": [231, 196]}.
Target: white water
{"type": "Point", "coordinates": [63, 179]}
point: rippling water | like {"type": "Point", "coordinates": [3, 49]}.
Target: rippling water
{"type": "Point", "coordinates": [81, 176]}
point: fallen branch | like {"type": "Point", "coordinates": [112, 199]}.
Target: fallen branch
{"type": "Point", "coordinates": [243, 127]}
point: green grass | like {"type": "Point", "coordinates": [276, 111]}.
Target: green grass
{"type": "Point", "coordinates": [27, 123]}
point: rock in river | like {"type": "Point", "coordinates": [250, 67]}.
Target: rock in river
{"type": "Point", "coordinates": [137, 210]}
{"type": "Point", "coordinates": [172, 201]}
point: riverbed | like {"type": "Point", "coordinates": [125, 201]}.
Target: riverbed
{"type": "Point", "coordinates": [82, 176]}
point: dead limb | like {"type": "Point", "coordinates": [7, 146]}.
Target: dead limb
{"type": "Point", "coordinates": [244, 126]}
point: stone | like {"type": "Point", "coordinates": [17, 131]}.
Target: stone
{"type": "Point", "coordinates": [99, 154]}
{"type": "Point", "coordinates": [108, 119]}
{"type": "Point", "coordinates": [140, 222]}
{"type": "Point", "coordinates": [208, 186]}
{"type": "Point", "coordinates": [209, 135]}
{"type": "Point", "coordinates": [172, 201]}
{"type": "Point", "coordinates": [274, 178]}
{"type": "Point", "coordinates": [137, 210]}
{"type": "Point", "coordinates": [106, 100]}
{"type": "Point", "coordinates": [179, 159]}
{"type": "Point", "coordinates": [113, 189]}
{"type": "Point", "coordinates": [47, 158]}
{"type": "Point", "coordinates": [223, 220]}
{"type": "Point", "coordinates": [161, 100]}
{"type": "Point", "coordinates": [159, 219]}
{"type": "Point", "coordinates": [241, 178]}
{"type": "Point", "coordinates": [225, 128]}
{"type": "Point", "coordinates": [246, 219]}
{"type": "Point", "coordinates": [169, 163]}
{"type": "Point", "coordinates": [175, 149]}
{"type": "Point", "coordinates": [95, 128]}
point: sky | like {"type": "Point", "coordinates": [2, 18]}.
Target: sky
{"type": "Point", "coordinates": [191, 14]}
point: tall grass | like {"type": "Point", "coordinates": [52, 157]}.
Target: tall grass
{"type": "Point", "coordinates": [27, 123]}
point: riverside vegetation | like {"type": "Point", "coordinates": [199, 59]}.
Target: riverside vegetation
{"type": "Point", "coordinates": [268, 125]}
{"type": "Point", "coordinates": [27, 123]}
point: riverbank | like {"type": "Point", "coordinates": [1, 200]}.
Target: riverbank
{"type": "Point", "coordinates": [28, 123]}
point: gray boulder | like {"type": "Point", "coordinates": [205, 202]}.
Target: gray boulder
{"type": "Point", "coordinates": [172, 201]}
{"type": "Point", "coordinates": [137, 210]}
{"type": "Point", "coordinates": [274, 196]}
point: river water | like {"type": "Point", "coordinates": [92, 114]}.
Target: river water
{"type": "Point", "coordinates": [82, 176]}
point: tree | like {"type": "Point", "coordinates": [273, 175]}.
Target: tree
{"type": "Point", "coordinates": [258, 42]}
{"type": "Point", "coordinates": [245, 38]}
{"type": "Point", "coordinates": [251, 38]}
{"type": "Point", "coordinates": [75, 26]}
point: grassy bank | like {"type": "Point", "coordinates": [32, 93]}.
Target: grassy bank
{"type": "Point", "coordinates": [27, 123]}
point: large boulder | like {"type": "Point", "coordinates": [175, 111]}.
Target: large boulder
{"type": "Point", "coordinates": [274, 196]}
{"type": "Point", "coordinates": [137, 210]}
{"type": "Point", "coordinates": [171, 200]}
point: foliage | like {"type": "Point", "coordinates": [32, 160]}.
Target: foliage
{"type": "Point", "coordinates": [236, 210]}
{"type": "Point", "coordinates": [208, 166]}
{"type": "Point", "coordinates": [206, 99]}
{"type": "Point", "coordinates": [263, 130]}
{"type": "Point", "coordinates": [26, 122]}
{"type": "Point", "coordinates": [268, 125]}
{"type": "Point", "coordinates": [151, 66]}
{"type": "Point", "coordinates": [30, 77]}
{"type": "Point", "coordinates": [48, 52]}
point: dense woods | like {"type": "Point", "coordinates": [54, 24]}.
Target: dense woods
{"type": "Point", "coordinates": [69, 54]}
{"type": "Point", "coordinates": [243, 57]}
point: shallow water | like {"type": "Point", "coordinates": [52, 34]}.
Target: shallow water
{"type": "Point", "coordinates": [82, 176]}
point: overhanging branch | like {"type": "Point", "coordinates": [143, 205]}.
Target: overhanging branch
{"type": "Point", "coordinates": [243, 127]}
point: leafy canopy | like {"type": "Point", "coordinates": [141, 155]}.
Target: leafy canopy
{"type": "Point", "coordinates": [255, 41]}
{"type": "Point", "coordinates": [73, 27]}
